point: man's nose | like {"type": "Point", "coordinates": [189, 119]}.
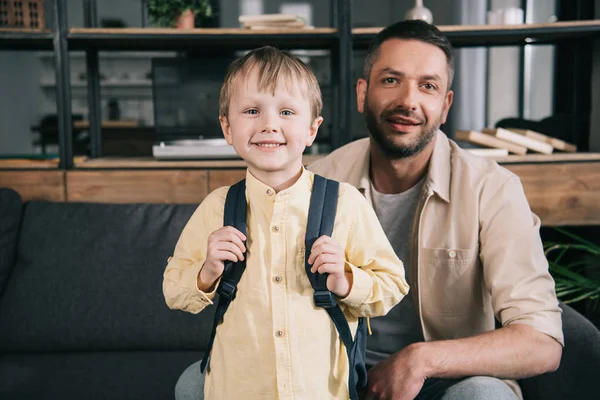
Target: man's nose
{"type": "Point", "coordinates": [407, 97]}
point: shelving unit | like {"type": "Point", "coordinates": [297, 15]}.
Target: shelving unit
{"type": "Point", "coordinates": [25, 39]}
{"type": "Point", "coordinates": [501, 35]}
{"type": "Point", "coordinates": [565, 182]}
{"type": "Point", "coordinates": [205, 38]}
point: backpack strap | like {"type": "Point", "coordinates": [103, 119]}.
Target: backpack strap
{"type": "Point", "coordinates": [235, 215]}
{"type": "Point", "coordinates": [321, 217]}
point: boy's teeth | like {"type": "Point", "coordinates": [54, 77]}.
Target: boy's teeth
{"type": "Point", "coordinates": [268, 144]}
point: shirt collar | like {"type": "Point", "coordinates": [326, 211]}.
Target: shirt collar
{"type": "Point", "coordinates": [438, 174]}
{"type": "Point", "coordinates": [257, 190]}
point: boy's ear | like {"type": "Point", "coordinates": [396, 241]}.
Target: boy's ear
{"type": "Point", "coordinates": [226, 128]}
{"type": "Point", "coordinates": [314, 128]}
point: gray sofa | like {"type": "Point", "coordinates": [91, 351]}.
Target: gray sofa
{"type": "Point", "coordinates": [82, 314]}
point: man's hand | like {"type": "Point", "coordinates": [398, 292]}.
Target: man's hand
{"type": "Point", "coordinates": [226, 243]}
{"type": "Point", "coordinates": [399, 377]}
{"type": "Point", "coordinates": [327, 256]}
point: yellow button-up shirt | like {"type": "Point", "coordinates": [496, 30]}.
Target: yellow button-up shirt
{"type": "Point", "coordinates": [274, 343]}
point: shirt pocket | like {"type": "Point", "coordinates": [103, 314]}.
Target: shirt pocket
{"type": "Point", "coordinates": [450, 280]}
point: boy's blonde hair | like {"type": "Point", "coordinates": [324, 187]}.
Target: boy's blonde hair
{"type": "Point", "coordinates": [273, 67]}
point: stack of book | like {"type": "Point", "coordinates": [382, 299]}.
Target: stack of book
{"type": "Point", "coordinates": [272, 21]}
{"type": "Point", "coordinates": [513, 141]}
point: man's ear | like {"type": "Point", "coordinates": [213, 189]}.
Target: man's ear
{"type": "Point", "coordinates": [314, 128]}
{"type": "Point", "coordinates": [361, 94]}
{"type": "Point", "coordinates": [447, 104]}
{"type": "Point", "coordinates": [226, 128]}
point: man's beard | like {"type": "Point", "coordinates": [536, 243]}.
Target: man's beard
{"type": "Point", "coordinates": [386, 142]}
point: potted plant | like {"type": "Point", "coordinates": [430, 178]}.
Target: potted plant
{"type": "Point", "coordinates": [178, 13]}
{"type": "Point", "coordinates": [575, 268]}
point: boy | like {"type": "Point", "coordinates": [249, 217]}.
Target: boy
{"type": "Point", "coordinates": [273, 341]}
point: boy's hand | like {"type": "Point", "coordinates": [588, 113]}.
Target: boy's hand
{"type": "Point", "coordinates": [327, 256]}
{"type": "Point", "coordinates": [226, 243]}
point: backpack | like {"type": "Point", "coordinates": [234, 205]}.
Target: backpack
{"type": "Point", "coordinates": [321, 217]}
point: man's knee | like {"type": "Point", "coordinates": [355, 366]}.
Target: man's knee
{"type": "Point", "coordinates": [190, 385]}
{"type": "Point", "coordinates": [480, 387]}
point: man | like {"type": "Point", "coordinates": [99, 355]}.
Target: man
{"type": "Point", "coordinates": [462, 224]}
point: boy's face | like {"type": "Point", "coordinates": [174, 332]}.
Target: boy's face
{"type": "Point", "coordinates": [270, 132]}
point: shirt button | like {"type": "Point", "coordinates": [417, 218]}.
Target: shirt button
{"type": "Point", "coordinates": [277, 279]}
{"type": "Point", "coordinates": [276, 228]}
{"type": "Point", "coordinates": [451, 254]}
{"type": "Point", "coordinates": [279, 333]}
{"type": "Point", "coordinates": [270, 192]}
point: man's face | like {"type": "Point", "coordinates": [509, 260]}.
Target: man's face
{"type": "Point", "coordinates": [407, 96]}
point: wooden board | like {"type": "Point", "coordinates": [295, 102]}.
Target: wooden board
{"type": "Point", "coordinates": [131, 186]}
{"type": "Point", "coordinates": [149, 162]}
{"type": "Point", "coordinates": [484, 28]}
{"type": "Point", "coordinates": [489, 141]}
{"type": "Point", "coordinates": [35, 185]}
{"type": "Point", "coordinates": [520, 140]}
{"type": "Point", "coordinates": [562, 193]}
{"type": "Point", "coordinates": [218, 178]}
{"type": "Point", "coordinates": [199, 31]}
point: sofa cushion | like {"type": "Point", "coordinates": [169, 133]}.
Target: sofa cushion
{"type": "Point", "coordinates": [11, 208]}
{"type": "Point", "coordinates": [89, 277]}
{"type": "Point", "coordinates": [144, 375]}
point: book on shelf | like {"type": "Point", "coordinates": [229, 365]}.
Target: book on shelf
{"type": "Point", "coordinates": [272, 21]}
{"type": "Point", "coordinates": [482, 152]}
{"type": "Point", "coordinates": [520, 140]}
{"type": "Point", "coordinates": [484, 140]}
{"type": "Point", "coordinates": [558, 144]}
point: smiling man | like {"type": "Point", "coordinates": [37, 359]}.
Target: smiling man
{"type": "Point", "coordinates": [465, 225]}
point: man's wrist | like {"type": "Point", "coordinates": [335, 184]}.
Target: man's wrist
{"type": "Point", "coordinates": [421, 353]}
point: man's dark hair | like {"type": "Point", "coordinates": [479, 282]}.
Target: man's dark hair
{"type": "Point", "coordinates": [410, 30]}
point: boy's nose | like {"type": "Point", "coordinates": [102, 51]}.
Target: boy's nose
{"type": "Point", "coordinates": [270, 125]}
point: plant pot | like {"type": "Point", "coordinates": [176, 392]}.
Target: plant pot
{"type": "Point", "coordinates": [186, 20]}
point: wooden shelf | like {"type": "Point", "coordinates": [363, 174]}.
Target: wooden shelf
{"type": "Point", "coordinates": [25, 39]}
{"type": "Point", "coordinates": [190, 39]}
{"type": "Point", "coordinates": [151, 163]}
{"type": "Point", "coordinates": [499, 35]}
{"type": "Point", "coordinates": [548, 158]}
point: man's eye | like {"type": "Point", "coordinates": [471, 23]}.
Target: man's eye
{"type": "Point", "coordinates": [429, 86]}
{"type": "Point", "coordinates": [389, 80]}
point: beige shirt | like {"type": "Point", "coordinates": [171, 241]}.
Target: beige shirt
{"type": "Point", "coordinates": [477, 252]}
{"type": "Point", "coordinates": [274, 343]}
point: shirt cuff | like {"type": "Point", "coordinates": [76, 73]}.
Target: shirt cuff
{"type": "Point", "coordinates": [361, 287]}
{"type": "Point", "coordinates": [191, 277]}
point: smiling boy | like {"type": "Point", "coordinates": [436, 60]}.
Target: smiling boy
{"type": "Point", "coordinates": [273, 341]}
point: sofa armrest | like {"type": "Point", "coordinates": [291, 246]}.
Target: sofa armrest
{"type": "Point", "coordinates": [11, 212]}
{"type": "Point", "coordinates": [578, 375]}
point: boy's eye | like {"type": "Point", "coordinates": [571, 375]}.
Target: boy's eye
{"type": "Point", "coordinates": [287, 112]}
{"type": "Point", "coordinates": [252, 111]}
